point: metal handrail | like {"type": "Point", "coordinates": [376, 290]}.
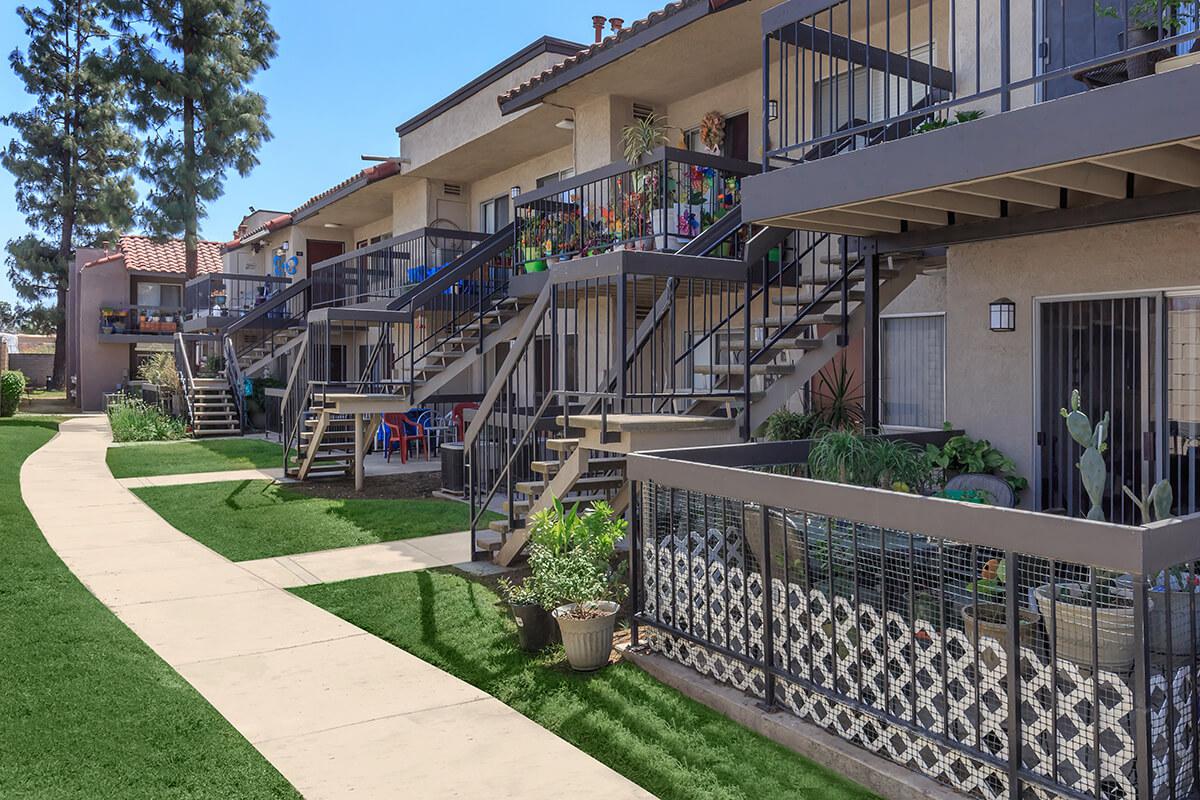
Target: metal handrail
{"type": "Point", "coordinates": [183, 366]}
{"type": "Point", "coordinates": [233, 374]}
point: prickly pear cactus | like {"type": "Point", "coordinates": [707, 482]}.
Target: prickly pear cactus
{"type": "Point", "coordinates": [1156, 505]}
{"type": "Point", "coordinates": [1092, 469]}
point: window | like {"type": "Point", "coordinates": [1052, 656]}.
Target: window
{"type": "Point", "coordinates": [493, 214]}
{"type": "Point", "coordinates": [913, 371]}
{"type": "Point", "coordinates": [553, 177]}
{"type": "Point", "coordinates": [166, 295]}
{"type": "Point", "coordinates": [691, 141]}
{"type": "Point", "coordinates": [833, 105]}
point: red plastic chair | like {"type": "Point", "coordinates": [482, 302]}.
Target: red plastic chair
{"type": "Point", "coordinates": [458, 414]}
{"type": "Point", "coordinates": [402, 431]}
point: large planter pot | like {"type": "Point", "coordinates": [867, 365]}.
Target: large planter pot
{"type": "Point", "coordinates": [533, 626]}
{"type": "Point", "coordinates": [1184, 618]}
{"type": "Point", "coordinates": [588, 640]}
{"type": "Point", "coordinates": [1114, 648]}
{"type": "Point", "coordinates": [1140, 66]}
{"type": "Point", "coordinates": [989, 619]}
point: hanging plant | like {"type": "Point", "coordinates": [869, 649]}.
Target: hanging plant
{"type": "Point", "coordinates": [712, 131]}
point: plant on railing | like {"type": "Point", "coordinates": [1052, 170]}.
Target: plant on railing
{"type": "Point", "coordinates": [937, 123]}
{"type": "Point", "coordinates": [963, 455]}
{"type": "Point", "coordinates": [1156, 504]}
{"type": "Point", "coordinates": [571, 559]}
{"type": "Point", "coordinates": [712, 131]}
{"type": "Point", "coordinates": [642, 136]}
{"type": "Point", "coordinates": [845, 456]}
{"type": "Point", "coordinates": [1149, 15]}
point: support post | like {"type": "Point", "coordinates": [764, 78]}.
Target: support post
{"type": "Point", "coordinates": [1012, 610]}
{"type": "Point", "coordinates": [768, 660]}
{"type": "Point", "coordinates": [359, 454]}
{"type": "Point", "coordinates": [871, 344]}
{"type": "Point", "coordinates": [1141, 689]}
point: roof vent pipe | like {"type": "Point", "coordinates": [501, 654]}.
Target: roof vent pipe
{"type": "Point", "coordinates": [598, 23]}
{"type": "Point", "coordinates": [617, 23]}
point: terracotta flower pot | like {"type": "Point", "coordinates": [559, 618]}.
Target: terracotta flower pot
{"type": "Point", "coordinates": [587, 633]}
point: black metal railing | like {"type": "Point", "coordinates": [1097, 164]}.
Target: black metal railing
{"type": "Point", "coordinates": [660, 204]}
{"type": "Point", "coordinates": [229, 295]}
{"type": "Point", "coordinates": [389, 268]}
{"type": "Point", "coordinates": [261, 333]}
{"type": "Point", "coordinates": [1003, 652]}
{"type": "Point", "coordinates": [850, 74]}
{"type": "Point", "coordinates": [142, 320]}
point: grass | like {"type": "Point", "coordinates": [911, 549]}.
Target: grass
{"type": "Point", "coordinates": [661, 740]}
{"type": "Point", "coordinates": [87, 709]}
{"type": "Point", "coordinates": [180, 458]}
{"type": "Point", "coordinates": [243, 520]}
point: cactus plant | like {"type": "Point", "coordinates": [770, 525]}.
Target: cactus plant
{"type": "Point", "coordinates": [1156, 505]}
{"type": "Point", "coordinates": [1092, 469]}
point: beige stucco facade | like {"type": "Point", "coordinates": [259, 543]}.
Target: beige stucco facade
{"type": "Point", "coordinates": [990, 377]}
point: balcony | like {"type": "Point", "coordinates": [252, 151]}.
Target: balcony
{"type": "Point", "coordinates": [659, 205]}
{"type": "Point", "coordinates": [934, 122]}
{"type": "Point", "coordinates": [388, 269]}
{"type": "Point", "coordinates": [134, 323]}
{"type": "Point", "coordinates": [887, 622]}
{"type": "Point", "coordinates": [214, 300]}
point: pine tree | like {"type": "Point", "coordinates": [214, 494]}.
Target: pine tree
{"type": "Point", "coordinates": [188, 64]}
{"type": "Point", "coordinates": [71, 158]}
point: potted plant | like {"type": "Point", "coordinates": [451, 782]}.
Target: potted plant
{"type": "Point", "coordinates": [533, 622]}
{"type": "Point", "coordinates": [987, 616]}
{"type": "Point", "coordinates": [1144, 20]}
{"type": "Point", "coordinates": [571, 555]}
{"type": "Point", "coordinates": [1070, 606]}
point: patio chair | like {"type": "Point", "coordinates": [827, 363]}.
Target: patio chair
{"type": "Point", "coordinates": [402, 431]}
{"type": "Point", "coordinates": [458, 414]}
{"type": "Point", "coordinates": [437, 430]}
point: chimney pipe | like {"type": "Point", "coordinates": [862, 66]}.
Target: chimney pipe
{"type": "Point", "coordinates": [617, 23]}
{"type": "Point", "coordinates": [598, 23]}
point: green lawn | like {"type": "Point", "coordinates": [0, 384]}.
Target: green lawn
{"type": "Point", "coordinates": [180, 458]}
{"type": "Point", "coordinates": [88, 710]}
{"type": "Point", "coordinates": [668, 744]}
{"type": "Point", "coordinates": [242, 520]}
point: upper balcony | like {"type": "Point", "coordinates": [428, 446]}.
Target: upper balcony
{"type": "Point", "coordinates": [936, 121]}
{"type": "Point", "coordinates": [388, 269]}
{"type": "Point", "coordinates": [216, 299]}
{"type": "Point", "coordinates": [658, 205]}
{"type": "Point", "coordinates": [138, 323]}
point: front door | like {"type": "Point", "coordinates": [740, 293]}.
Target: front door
{"type": "Point", "coordinates": [1108, 349]}
{"type": "Point", "coordinates": [318, 250]}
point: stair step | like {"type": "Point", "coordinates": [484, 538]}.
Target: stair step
{"type": "Point", "coordinates": [583, 499]}
{"type": "Point", "coordinates": [737, 369]}
{"type": "Point", "coordinates": [796, 343]}
{"type": "Point", "coordinates": [562, 445]}
{"type": "Point", "coordinates": [790, 297]}
{"type": "Point", "coordinates": [822, 280]}
{"type": "Point", "coordinates": [596, 464]}
{"type": "Point", "coordinates": [489, 541]}
{"type": "Point", "coordinates": [499, 526]}
{"type": "Point", "coordinates": [594, 484]}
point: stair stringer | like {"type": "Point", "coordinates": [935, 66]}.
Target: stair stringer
{"type": "Point", "coordinates": [266, 361]}
{"type": "Point", "coordinates": [782, 390]}
{"type": "Point", "coordinates": [505, 333]}
{"type": "Point", "coordinates": [559, 486]}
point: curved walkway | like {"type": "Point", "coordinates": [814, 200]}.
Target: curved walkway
{"type": "Point", "coordinates": [339, 712]}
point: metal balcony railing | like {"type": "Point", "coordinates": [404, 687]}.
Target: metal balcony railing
{"type": "Point", "coordinates": [660, 204]}
{"type": "Point", "coordinates": [229, 295]}
{"type": "Point", "coordinates": [389, 268]}
{"type": "Point", "coordinates": [1003, 652]}
{"type": "Point", "coordinates": [851, 74]}
{"type": "Point", "coordinates": [140, 319]}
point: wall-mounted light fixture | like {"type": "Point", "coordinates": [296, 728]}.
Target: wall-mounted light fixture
{"type": "Point", "coordinates": [772, 110]}
{"type": "Point", "coordinates": [1002, 315]}
{"type": "Point", "coordinates": [514, 192]}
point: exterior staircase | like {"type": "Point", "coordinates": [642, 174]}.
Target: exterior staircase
{"type": "Point", "coordinates": [213, 410]}
{"type": "Point", "coordinates": [325, 448]}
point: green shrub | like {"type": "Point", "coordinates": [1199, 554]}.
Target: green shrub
{"type": "Point", "coordinates": [133, 420]}
{"type": "Point", "coordinates": [962, 454]}
{"type": "Point", "coordinates": [787, 426]}
{"type": "Point", "coordinates": [571, 554]}
{"type": "Point", "coordinates": [12, 386]}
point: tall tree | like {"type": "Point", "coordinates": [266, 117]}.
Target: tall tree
{"type": "Point", "coordinates": [188, 64]}
{"type": "Point", "coordinates": [71, 157]}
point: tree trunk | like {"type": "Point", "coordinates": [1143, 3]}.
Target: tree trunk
{"type": "Point", "coordinates": [60, 340]}
{"type": "Point", "coordinates": [190, 235]}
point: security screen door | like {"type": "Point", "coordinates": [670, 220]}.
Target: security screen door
{"type": "Point", "coordinates": [1108, 348]}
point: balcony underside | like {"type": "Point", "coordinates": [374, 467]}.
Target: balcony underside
{"type": "Point", "coordinates": [1082, 158]}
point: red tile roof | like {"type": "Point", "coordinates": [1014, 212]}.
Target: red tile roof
{"type": "Point", "coordinates": [653, 18]}
{"type": "Point", "coordinates": [366, 176]}
{"type": "Point", "coordinates": [144, 254]}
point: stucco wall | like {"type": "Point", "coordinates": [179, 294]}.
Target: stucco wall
{"type": "Point", "coordinates": [102, 365]}
{"type": "Point", "coordinates": [990, 376]}
{"type": "Point", "coordinates": [524, 175]}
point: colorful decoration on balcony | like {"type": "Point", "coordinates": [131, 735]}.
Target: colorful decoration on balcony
{"type": "Point", "coordinates": [712, 131]}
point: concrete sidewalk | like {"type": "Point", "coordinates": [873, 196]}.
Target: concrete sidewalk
{"type": "Point", "coordinates": [339, 712]}
{"type": "Point", "coordinates": [362, 561]}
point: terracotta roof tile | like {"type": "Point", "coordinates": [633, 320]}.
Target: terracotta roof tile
{"type": "Point", "coordinates": [144, 254]}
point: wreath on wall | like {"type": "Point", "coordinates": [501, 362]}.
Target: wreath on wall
{"type": "Point", "coordinates": [712, 131]}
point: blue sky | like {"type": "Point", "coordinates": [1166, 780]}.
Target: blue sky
{"type": "Point", "coordinates": [346, 74]}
